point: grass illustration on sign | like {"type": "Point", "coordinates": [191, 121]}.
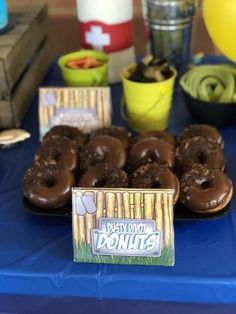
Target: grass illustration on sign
{"type": "Point", "coordinates": [123, 226]}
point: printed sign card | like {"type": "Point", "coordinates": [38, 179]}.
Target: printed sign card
{"type": "Point", "coordinates": [87, 108]}
{"type": "Point", "coordinates": [126, 237]}
{"type": "Point", "coordinates": [123, 226]}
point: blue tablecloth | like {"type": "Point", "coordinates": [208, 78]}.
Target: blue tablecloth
{"type": "Point", "coordinates": [36, 251]}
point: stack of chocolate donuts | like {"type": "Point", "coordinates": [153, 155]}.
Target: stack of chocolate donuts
{"type": "Point", "coordinates": [200, 166]}
{"type": "Point", "coordinates": [192, 164]}
{"type": "Point", "coordinates": [48, 182]}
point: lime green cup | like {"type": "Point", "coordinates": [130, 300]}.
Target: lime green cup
{"type": "Point", "coordinates": [85, 77]}
{"type": "Point", "coordinates": [147, 104]}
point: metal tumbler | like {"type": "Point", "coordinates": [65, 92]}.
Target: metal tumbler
{"type": "Point", "coordinates": [170, 26]}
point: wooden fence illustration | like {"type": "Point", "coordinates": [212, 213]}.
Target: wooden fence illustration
{"type": "Point", "coordinates": [147, 204]}
{"type": "Point", "coordinates": [50, 99]}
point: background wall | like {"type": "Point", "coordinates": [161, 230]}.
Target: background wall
{"type": "Point", "coordinates": [64, 33]}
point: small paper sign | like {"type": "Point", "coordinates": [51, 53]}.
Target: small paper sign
{"type": "Point", "coordinates": [87, 108]}
{"type": "Point", "coordinates": [123, 226]}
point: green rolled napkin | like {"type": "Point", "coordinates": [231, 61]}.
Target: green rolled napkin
{"type": "Point", "coordinates": [212, 83]}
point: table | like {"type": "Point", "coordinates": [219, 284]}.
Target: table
{"type": "Point", "coordinates": [37, 274]}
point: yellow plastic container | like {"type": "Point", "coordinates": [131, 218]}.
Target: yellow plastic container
{"type": "Point", "coordinates": [85, 77]}
{"type": "Point", "coordinates": [147, 104]}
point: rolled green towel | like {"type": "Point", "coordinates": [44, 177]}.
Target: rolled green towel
{"type": "Point", "coordinates": [213, 83]}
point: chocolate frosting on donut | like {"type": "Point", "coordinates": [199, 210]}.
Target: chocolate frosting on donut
{"type": "Point", "coordinates": [149, 150]}
{"type": "Point", "coordinates": [199, 150]}
{"type": "Point", "coordinates": [203, 130]}
{"type": "Point", "coordinates": [154, 176]}
{"type": "Point", "coordinates": [59, 150]}
{"type": "Point", "coordinates": [116, 131]}
{"type": "Point", "coordinates": [104, 175]}
{"type": "Point", "coordinates": [48, 186]}
{"type": "Point", "coordinates": [161, 135]}
{"type": "Point", "coordinates": [204, 190]}
{"type": "Point", "coordinates": [103, 149]}
{"type": "Point", "coordinates": [70, 132]}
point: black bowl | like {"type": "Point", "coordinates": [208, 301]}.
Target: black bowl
{"type": "Point", "coordinates": [216, 114]}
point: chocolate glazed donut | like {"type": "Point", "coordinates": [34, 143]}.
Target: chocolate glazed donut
{"type": "Point", "coordinates": [103, 149]}
{"type": "Point", "coordinates": [70, 132]}
{"type": "Point", "coordinates": [205, 191]}
{"type": "Point", "coordinates": [150, 150]}
{"type": "Point", "coordinates": [116, 131]}
{"type": "Point", "coordinates": [198, 150]}
{"type": "Point", "coordinates": [48, 186]}
{"type": "Point", "coordinates": [154, 176]}
{"type": "Point", "coordinates": [161, 135]}
{"type": "Point", "coordinates": [203, 130]}
{"type": "Point", "coordinates": [59, 150]}
{"type": "Point", "coordinates": [104, 175]}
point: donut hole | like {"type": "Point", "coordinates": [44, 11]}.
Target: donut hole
{"type": "Point", "coordinates": [152, 156]}
{"type": "Point", "coordinates": [100, 183]}
{"type": "Point", "coordinates": [156, 184]}
{"type": "Point", "coordinates": [49, 181]}
{"type": "Point", "coordinates": [56, 155]}
{"type": "Point", "coordinates": [207, 184]}
{"type": "Point", "coordinates": [70, 136]}
{"type": "Point", "coordinates": [100, 154]}
{"type": "Point", "coordinates": [202, 158]}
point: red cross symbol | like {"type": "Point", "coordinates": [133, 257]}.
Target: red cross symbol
{"type": "Point", "coordinates": [96, 38]}
{"type": "Point", "coordinates": [108, 38]}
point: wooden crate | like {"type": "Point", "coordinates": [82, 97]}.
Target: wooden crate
{"type": "Point", "coordinates": [13, 109]}
{"type": "Point", "coordinates": [24, 58]}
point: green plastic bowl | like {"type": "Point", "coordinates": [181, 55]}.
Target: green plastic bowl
{"type": "Point", "coordinates": [84, 77]}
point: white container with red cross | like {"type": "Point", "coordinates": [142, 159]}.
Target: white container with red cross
{"type": "Point", "coordinates": [107, 25]}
